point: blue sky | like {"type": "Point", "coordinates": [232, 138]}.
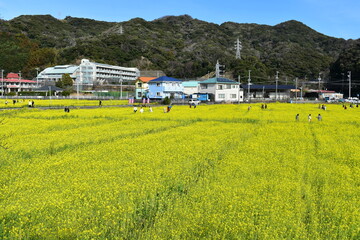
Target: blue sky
{"type": "Point", "coordinates": [337, 18]}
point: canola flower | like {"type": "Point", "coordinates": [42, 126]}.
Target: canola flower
{"type": "Point", "coordinates": [213, 172]}
{"type": "Point", "coordinates": [24, 103]}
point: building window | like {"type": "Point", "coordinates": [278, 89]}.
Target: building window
{"type": "Point", "coordinates": [139, 94]}
{"type": "Point", "coordinates": [228, 86]}
{"type": "Point", "coordinates": [158, 94]}
{"type": "Point", "coordinates": [220, 87]}
{"type": "Point", "coordinates": [222, 95]}
{"type": "Point", "coordinates": [203, 86]}
{"type": "Point", "coordinates": [158, 84]}
{"type": "Point", "coordinates": [139, 84]}
{"type": "Point", "coordinates": [232, 95]}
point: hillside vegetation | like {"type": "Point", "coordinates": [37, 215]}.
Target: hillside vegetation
{"type": "Point", "coordinates": [181, 46]}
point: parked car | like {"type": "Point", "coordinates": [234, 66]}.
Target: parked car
{"type": "Point", "coordinates": [352, 100]}
{"type": "Point", "coordinates": [194, 102]}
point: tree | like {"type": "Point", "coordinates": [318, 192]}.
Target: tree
{"type": "Point", "coordinates": [65, 82]}
{"type": "Point", "coordinates": [166, 101]}
{"type": "Point", "coordinates": [242, 66]}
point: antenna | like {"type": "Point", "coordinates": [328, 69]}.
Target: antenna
{"type": "Point", "coordinates": [276, 86]}
{"type": "Point", "coordinates": [349, 76]}
{"type": "Point", "coordinates": [249, 83]}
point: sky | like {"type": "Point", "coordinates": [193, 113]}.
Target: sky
{"type": "Point", "coordinates": [335, 18]}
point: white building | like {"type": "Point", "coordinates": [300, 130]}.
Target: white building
{"type": "Point", "coordinates": [52, 74]}
{"type": "Point", "coordinates": [14, 83]}
{"type": "Point", "coordinates": [222, 90]}
{"type": "Point", "coordinates": [190, 87]}
{"type": "Point", "coordinates": [89, 73]}
{"type": "Point", "coordinates": [92, 72]}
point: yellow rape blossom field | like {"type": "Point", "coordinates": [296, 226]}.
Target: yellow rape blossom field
{"type": "Point", "coordinates": [23, 103]}
{"type": "Point", "coordinates": [214, 172]}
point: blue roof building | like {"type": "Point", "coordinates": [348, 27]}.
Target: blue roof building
{"type": "Point", "coordinates": [164, 86]}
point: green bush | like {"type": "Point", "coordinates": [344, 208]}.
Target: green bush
{"type": "Point", "coordinates": [166, 101]}
{"type": "Point", "coordinates": [11, 94]}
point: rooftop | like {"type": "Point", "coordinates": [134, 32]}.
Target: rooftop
{"type": "Point", "coordinates": [190, 83]}
{"type": "Point", "coordinates": [18, 81]}
{"type": "Point", "coordinates": [219, 80]}
{"type": "Point", "coordinates": [15, 78]}
{"type": "Point", "coordinates": [267, 87]}
{"type": "Point", "coordinates": [146, 79]}
{"type": "Point", "coordinates": [60, 69]}
{"type": "Point", "coordinates": [165, 79]}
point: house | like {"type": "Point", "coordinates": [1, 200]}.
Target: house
{"type": "Point", "coordinates": [273, 92]}
{"type": "Point", "coordinates": [324, 94]}
{"type": "Point", "coordinates": [190, 87]}
{"type": "Point", "coordinates": [142, 87]}
{"type": "Point", "coordinates": [14, 83]}
{"type": "Point", "coordinates": [222, 89]}
{"type": "Point", "coordinates": [164, 86]}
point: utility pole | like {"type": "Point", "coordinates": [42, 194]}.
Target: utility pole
{"type": "Point", "coordinates": [121, 80]}
{"type": "Point", "coordinates": [249, 81]}
{"type": "Point", "coordinates": [238, 48]}
{"type": "Point", "coordinates": [296, 86]}
{"type": "Point", "coordinates": [263, 93]}
{"type": "Point", "coordinates": [2, 82]}
{"type": "Point", "coordinates": [349, 76]}
{"type": "Point", "coordinates": [239, 89]}
{"type": "Point", "coordinates": [37, 78]}
{"type": "Point", "coordinates": [319, 78]}
{"type": "Point", "coordinates": [78, 83]}
{"type": "Point", "coordinates": [276, 80]}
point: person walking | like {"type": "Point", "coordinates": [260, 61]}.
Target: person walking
{"type": "Point", "coordinates": [141, 110]}
{"type": "Point", "coordinates": [135, 109]}
{"type": "Point", "coordinates": [297, 117]}
{"type": "Point", "coordinates": [309, 117]}
{"type": "Point", "coordinates": [319, 117]}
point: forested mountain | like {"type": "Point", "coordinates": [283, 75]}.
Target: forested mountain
{"type": "Point", "coordinates": [181, 46]}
